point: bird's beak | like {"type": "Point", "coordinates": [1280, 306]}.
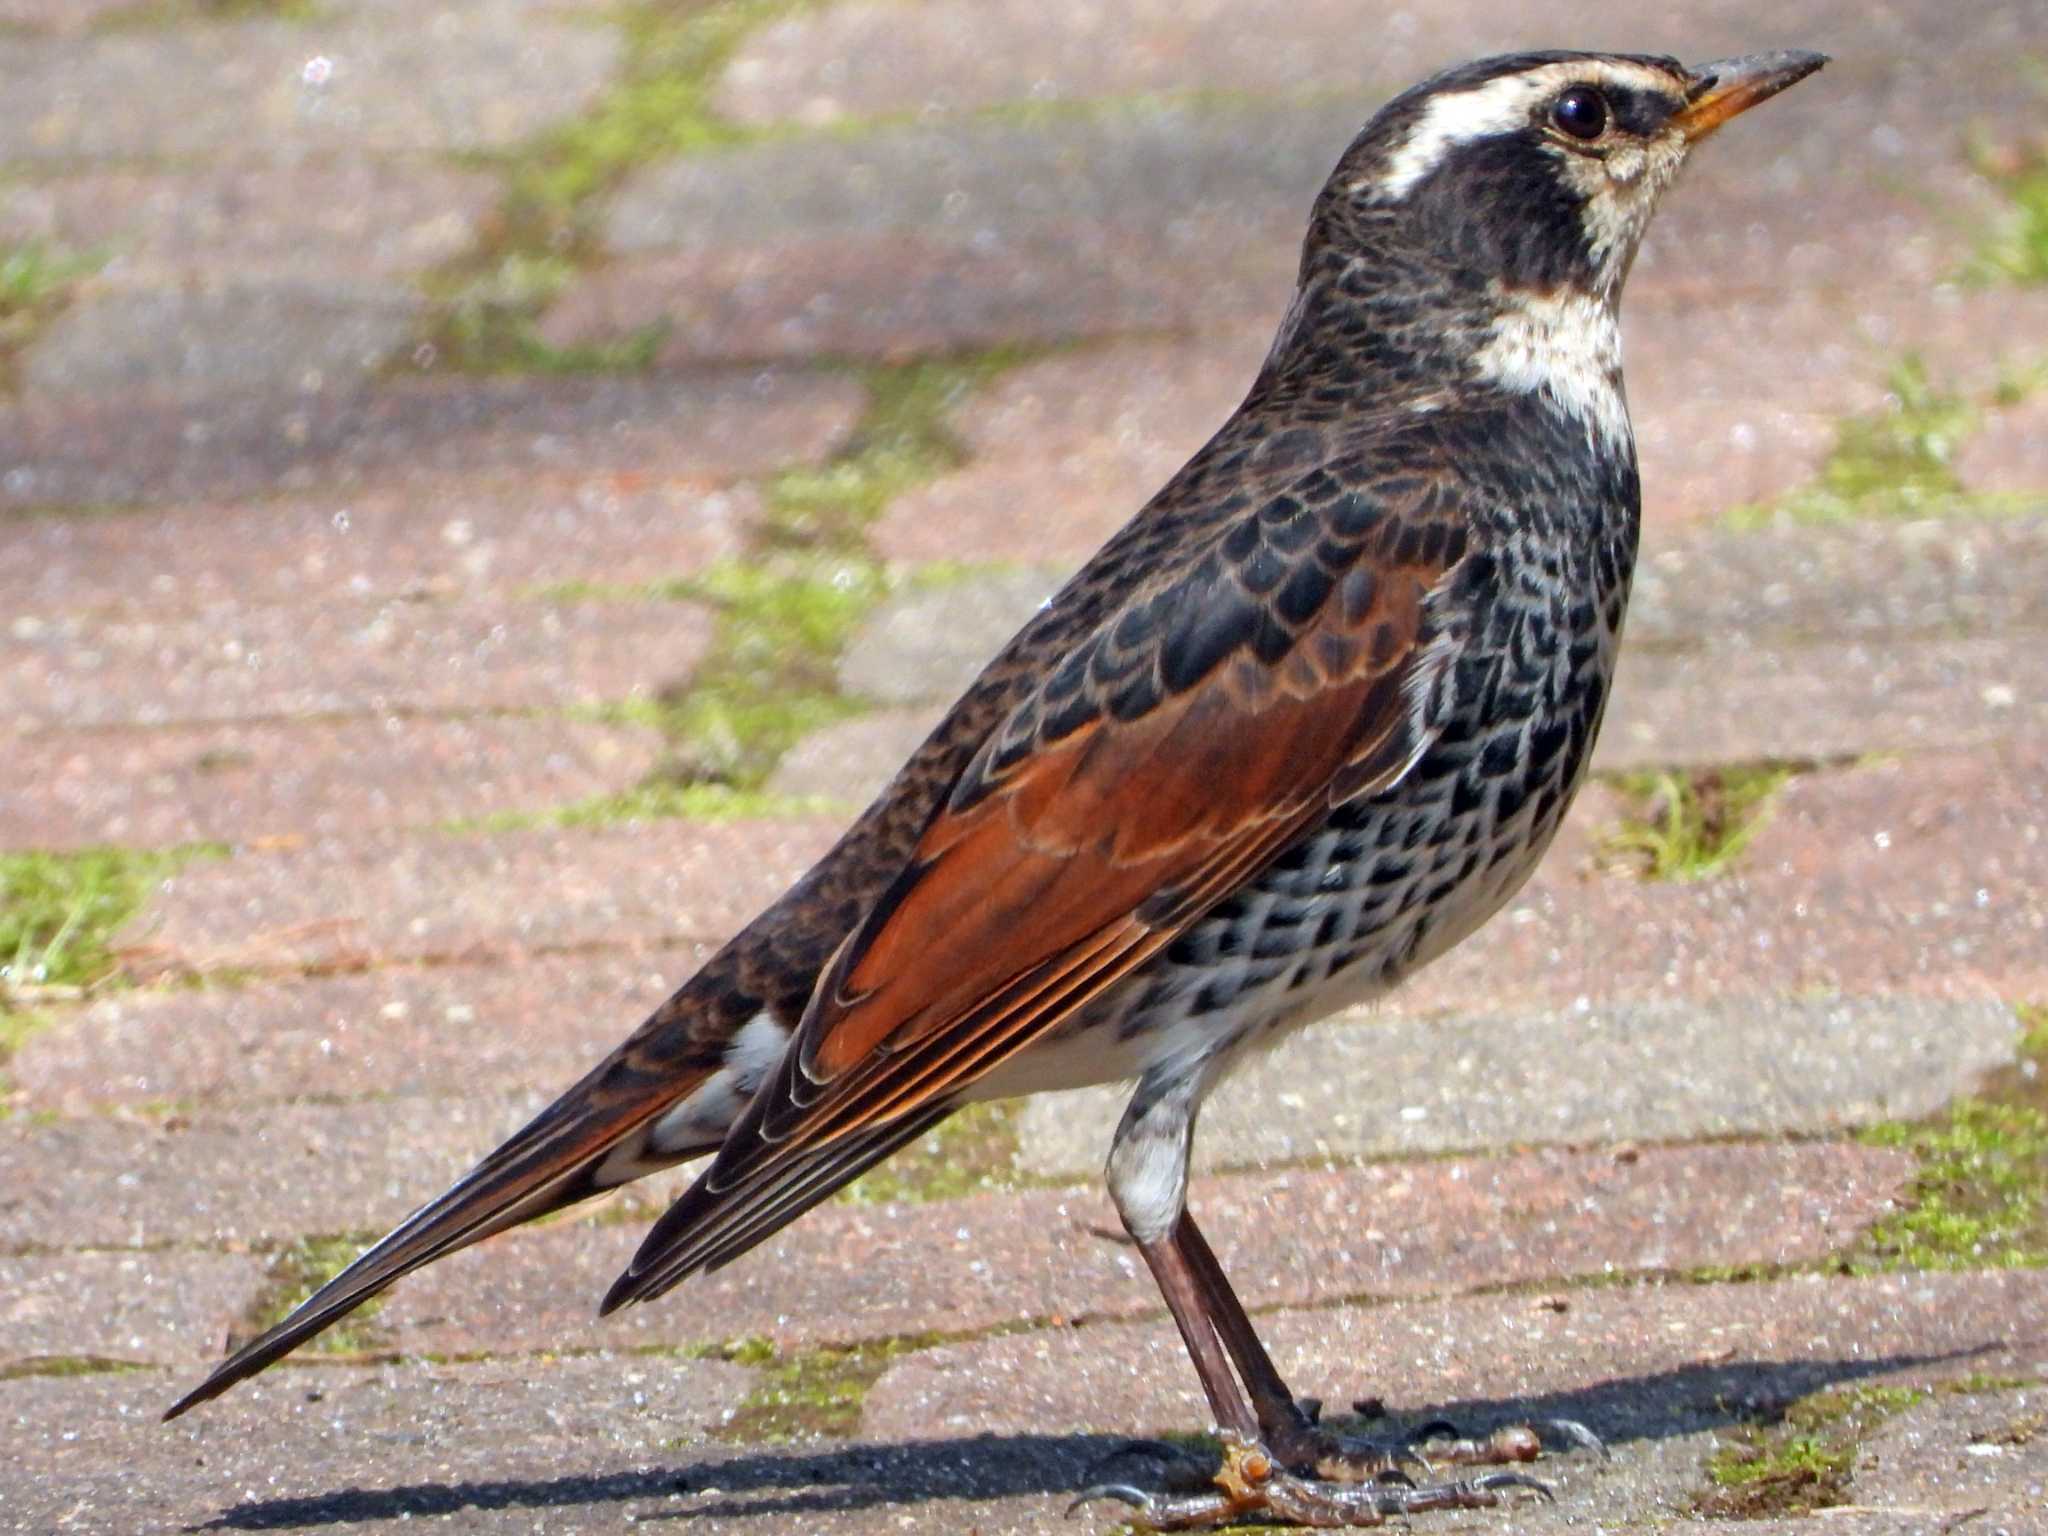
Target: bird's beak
{"type": "Point", "coordinates": [1728, 86]}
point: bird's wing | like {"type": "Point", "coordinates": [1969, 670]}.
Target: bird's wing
{"type": "Point", "coordinates": [1175, 750]}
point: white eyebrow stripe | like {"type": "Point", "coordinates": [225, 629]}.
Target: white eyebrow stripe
{"type": "Point", "coordinates": [1498, 106]}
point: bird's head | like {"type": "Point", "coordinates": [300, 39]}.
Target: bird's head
{"type": "Point", "coordinates": [1480, 227]}
{"type": "Point", "coordinates": [1541, 170]}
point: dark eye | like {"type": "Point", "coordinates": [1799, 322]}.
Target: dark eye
{"type": "Point", "coordinates": [1581, 112]}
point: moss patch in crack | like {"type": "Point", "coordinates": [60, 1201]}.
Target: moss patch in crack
{"type": "Point", "coordinates": [658, 799]}
{"type": "Point", "coordinates": [60, 911]}
{"type": "Point", "coordinates": [36, 281]}
{"type": "Point", "coordinates": [300, 1270]}
{"type": "Point", "coordinates": [1758, 1477]}
{"type": "Point", "coordinates": [1979, 1198]}
{"type": "Point", "coordinates": [814, 1394]}
{"type": "Point", "coordinates": [969, 1153]}
{"type": "Point", "coordinates": [2016, 248]}
{"type": "Point", "coordinates": [1897, 462]}
{"type": "Point", "coordinates": [1691, 825]}
{"type": "Point", "coordinates": [901, 440]}
{"type": "Point", "coordinates": [64, 1365]}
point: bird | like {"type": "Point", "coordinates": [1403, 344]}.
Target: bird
{"type": "Point", "coordinates": [1302, 725]}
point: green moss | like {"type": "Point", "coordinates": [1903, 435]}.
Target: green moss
{"type": "Point", "coordinates": [2033, 1019]}
{"type": "Point", "coordinates": [487, 321]}
{"type": "Point", "coordinates": [59, 911]}
{"type": "Point", "coordinates": [814, 1394]}
{"type": "Point", "coordinates": [63, 1365]}
{"type": "Point", "coordinates": [969, 1153]}
{"type": "Point", "coordinates": [1979, 1198]}
{"type": "Point", "coordinates": [901, 441]}
{"type": "Point", "coordinates": [1758, 1478]}
{"type": "Point", "coordinates": [1863, 1406]}
{"type": "Point", "coordinates": [1898, 462]}
{"type": "Point", "coordinates": [36, 280]}
{"type": "Point", "coordinates": [1690, 826]}
{"type": "Point", "coordinates": [658, 800]}
{"type": "Point", "coordinates": [300, 1270]}
{"type": "Point", "coordinates": [2016, 249]}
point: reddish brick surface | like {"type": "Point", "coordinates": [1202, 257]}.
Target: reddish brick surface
{"type": "Point", "coordinates": [519, 1024]}
{"type": "Point", "coordinates": [159, 1307]}
{"type": "Point", "coordinates": [2010, 456]}
{"type": "Point", "coordinates": [442, 896]}
{"type": "Point", "coordinates": [378, 541]}
{"type": "Point", "coordinates": [418, 433]}
{"type": "Point", "coordinates": [1301, 1237]}
{"type": "Point", "coordinates": [228, 1178]}
{"type": "Point", "coordinates": [343, 655]}
{"type": "Point", "coordinates": [1689, 1349]}
{"type": "Point", "coordinates": [268, 781]}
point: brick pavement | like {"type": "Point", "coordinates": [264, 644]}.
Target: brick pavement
{"type": "Point", "coordinates": [275, 574]}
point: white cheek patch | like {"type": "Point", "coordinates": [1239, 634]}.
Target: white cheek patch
{"type": "Point", "coordinates": [1566, 349]}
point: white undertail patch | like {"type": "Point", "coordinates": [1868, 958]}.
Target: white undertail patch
{"type": "Point", "coordinates": [1565, 348]}
{"type": "Point", "coordinates": [702, 1119]}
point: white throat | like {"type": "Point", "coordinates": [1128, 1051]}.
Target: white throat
{"type": "Point", "coordinates": [1564, 348]}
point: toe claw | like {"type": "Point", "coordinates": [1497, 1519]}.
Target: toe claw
{"type": "Point", "coordinates": [1493, 1482]}
{"type": "Point", "coordinates": [1577, 1434]}
{"type": "Point", "coordinates": [1123, 1493]}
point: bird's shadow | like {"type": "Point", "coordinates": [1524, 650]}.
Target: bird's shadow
{"type": "Point", "coordinates": [765, 1484]}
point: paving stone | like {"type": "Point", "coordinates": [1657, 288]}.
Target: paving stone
{"type": "Point", "coordinates": [852, 762]}
{"type": "Point", "coordinates": [1880, 636]}
{"type": "Point", "coordinates": [521, 1024]}
{"type": "Point", "coordinates": [475, 77]}
{"type": "Point", "coordinates": [930, 643]}
{"type": "Point", "coordinates": [1629, 1362]}
{"type": "Point", "coordinates": [272, 781]}
{"type": "Point", "coordinates": [419, 432]}
{"type": "Point", "coordinates": [1374, 1084]}
{"type": "Point", "coordinates": [245, 336]}
{"type": "Point", "coordinates": [1075, 443]}
{"type": "Point", "coordinates": [869, 59]}
{"type": "Point", "coordinates": [2010, 455]}
{"type": "Point", "coordinates": [380, 541]}
{"type": "Point", "coordinates": [261, 1176]}
{"type": "Point", "coordinates": [345, 657]}
{"type": "Point", "coordinates": [59, 16]}
{"type": "Point", "coordinates": [343, 218]}
{"type": "Point", "coordinates": [159, 1307]}
{"type": "Point", "coordinates": [488, 1446]}
{"type": "Point", "coordinates": [1957, 1452]}
{"type": "Point", "coordinates": [1302, 1237]}
{"type": "Point", "coordinates": [394, 898]}
{"type": "Point", "coordinates": [1821, 701]}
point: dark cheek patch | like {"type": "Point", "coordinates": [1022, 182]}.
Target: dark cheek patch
{"type": "Point", "coordinates": [1500, 207]}
{"type": "Point", "coordinates": [1643, 113]}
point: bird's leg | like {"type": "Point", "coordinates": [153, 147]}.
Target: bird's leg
{"type": "Point", "coordinates": [1288, 1424]}
{"type": "Point", "coordinates": [1148, 1180]}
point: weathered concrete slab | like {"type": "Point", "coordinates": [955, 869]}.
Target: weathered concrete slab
{"type": "Point", "coordinates": [232, 337]}
{"type": "Point", "coordinates": [513, 1026]}
{"type": "Point", "coordinates": [849, 763]}
{"type": "Point", "coordinates": [2010, 456]}
{"type": "Point", "coordinates": [1370, 1084]}
{"type": "Point", "coordinates": [392, 899]}
{"type": "Point", "coordinates": [419, 432]}
{"type": "Point", "coordinates": [1629, 1362]}
{"type": "Point", "coordinates": [481, 76]}
{"type": "Point", "coordinates": [157, 1307]}
{"type": "Point", "coordinates": [1951, 1454]}
{"type": "Point", "coordinates": [851, 1272]}
{"type": "Point", "coordinates": [344, 656]}
{"type": "Point", "coordinates": [378, 541]}
{"type": "Point", "coordinates": [270, 781]}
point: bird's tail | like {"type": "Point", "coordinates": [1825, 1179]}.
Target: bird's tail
{"type": "Point", "coordinates": [593, 1138]}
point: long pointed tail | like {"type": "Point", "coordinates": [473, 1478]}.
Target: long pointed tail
{"type": "Point", "coordinates": [593, 1138]}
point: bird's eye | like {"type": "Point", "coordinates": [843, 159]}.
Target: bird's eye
{"type": "Point", "coordinates": [1581, 112]}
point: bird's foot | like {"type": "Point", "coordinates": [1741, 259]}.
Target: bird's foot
{"type": "Point", "coordinates": [1252, 1483]}
{"type": "Point", "coordinates": [1307, 1447]}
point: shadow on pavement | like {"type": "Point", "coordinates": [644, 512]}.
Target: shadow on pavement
{"type": "Point", "coordinates": [1654, 1407]}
